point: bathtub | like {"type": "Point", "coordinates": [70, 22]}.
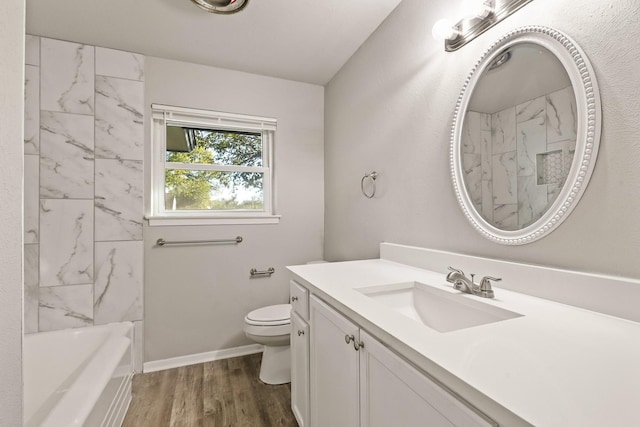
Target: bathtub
{"type": "Point", "coordinates": [78, 377]}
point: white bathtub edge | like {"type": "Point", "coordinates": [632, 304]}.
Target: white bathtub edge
{"type": "Point", "coordinates": [120, 405]}
{"type": "Point", "coordinates": [88, 387]}
{"type": "Point", "coordinates": [192, 359]}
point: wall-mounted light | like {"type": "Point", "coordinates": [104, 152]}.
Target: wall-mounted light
{"type": "Point", "coordinates": [480, 9]}
{"type": "Point", "coordinates": [477, 16]}
{"type": "Point", "coordinates": [444, 30]}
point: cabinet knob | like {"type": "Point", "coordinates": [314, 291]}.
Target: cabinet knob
{"type": "Point", "coordinates": [300, 333]}
{"type": "Point", "coordinates": [357, 345]}
{"type": "Point", "coordinates": [294, 299]}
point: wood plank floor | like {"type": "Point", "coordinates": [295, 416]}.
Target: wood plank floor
{"type": "Point", "coordinates": [223, 393]}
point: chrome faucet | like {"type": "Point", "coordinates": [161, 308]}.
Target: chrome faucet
{"type": "Point", "coordinates": [464, 284]}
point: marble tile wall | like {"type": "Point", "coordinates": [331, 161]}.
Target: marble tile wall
{"type": "Point", "coordinates": [503, 153]}
{"type": "Point", "coordinates": [118, 278]}
{"type": "Point", "coordinates": [83, 185]}
{"type": "Point", "coordinates": [31, 292]}
{"type": "Point", "coordinates": [66, 155]}
{"type": "Point", "coordinates": [531, 142]}
{"type": "Point", "coordinates": [67, 76]}
{"type": "Point", "coordinates": [66, 242]}
{"type": "Point", "coordinates": [118, 194]}
{"type": "Point", "coordinates": [561, 115]}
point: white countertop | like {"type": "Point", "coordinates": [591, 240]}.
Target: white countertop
{"type": "Point", "coordinates": [556, 365]}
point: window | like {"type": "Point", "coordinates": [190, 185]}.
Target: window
{"type": "Point", "coordinates": [211, 168]}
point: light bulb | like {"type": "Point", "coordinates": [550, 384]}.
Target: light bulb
{"type": "Point", "coordinates": [444, 30]}
{"type": "Point", "coordinates": [477, 8]}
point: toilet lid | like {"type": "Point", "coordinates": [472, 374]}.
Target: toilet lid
{"type": "Point", "coordinates": [279, 314]}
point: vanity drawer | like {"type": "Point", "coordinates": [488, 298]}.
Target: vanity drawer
{"type": "Point", "coordinates": [299, 299]}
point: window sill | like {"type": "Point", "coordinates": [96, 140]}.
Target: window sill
{"type": "Point", "coordinates": [159, 221]}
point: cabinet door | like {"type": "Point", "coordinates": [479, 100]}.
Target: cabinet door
{"type": "Point", "coordinates": [334, 368]}
{"type": "Point", "coordinates": [394, 393]}
{"type": "Point", "coordinates": [300, 369]}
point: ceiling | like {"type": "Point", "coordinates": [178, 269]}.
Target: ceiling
{"type": "Point", "coordinates": [303, 40]}
{"type": "Point", "coordinates": [534, 70]}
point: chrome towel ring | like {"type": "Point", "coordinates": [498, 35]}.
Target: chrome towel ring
{"type": "Point", "coordinates": [372, 176]}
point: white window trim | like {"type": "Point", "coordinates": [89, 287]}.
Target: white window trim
{"type": "Point", "coordinates": [163, 115]}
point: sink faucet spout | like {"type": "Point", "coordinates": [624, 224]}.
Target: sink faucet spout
{"type": "Point", "coordinates": [462, 283]}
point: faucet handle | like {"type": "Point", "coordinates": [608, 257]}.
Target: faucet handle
{"type": "Point", "coordinates": [486, 280]}
{"type": "Point", "coordinates": [451, 275]}
{"type": "Point", "coordinates": [485, 286]}
{"type": "Point", "coordinates": [456, 270]}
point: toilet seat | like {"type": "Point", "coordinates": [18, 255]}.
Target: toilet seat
{"type": "Point", "coordinates": [273, 315]}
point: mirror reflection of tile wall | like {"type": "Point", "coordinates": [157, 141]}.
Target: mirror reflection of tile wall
{"type": "Point", "coordinates": [516, 160]}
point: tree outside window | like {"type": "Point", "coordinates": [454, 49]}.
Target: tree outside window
{"type": "Point", "coordinates": [215, 179]}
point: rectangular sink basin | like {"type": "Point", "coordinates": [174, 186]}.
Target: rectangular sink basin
{"type": "Point", "coordinates": [438, 309]}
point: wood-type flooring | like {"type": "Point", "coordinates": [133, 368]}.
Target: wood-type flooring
{"type": "Point", "coordinates": [223, 393]}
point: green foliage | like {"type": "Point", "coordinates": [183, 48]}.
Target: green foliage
{"type": "Point", "coordinates": [194, 189]}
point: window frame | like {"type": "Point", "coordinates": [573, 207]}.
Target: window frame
{"type": "Point", "coordinates": [163, 115]}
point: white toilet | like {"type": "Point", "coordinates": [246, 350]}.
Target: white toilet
{"type": "Point", "coordinates": [271, 327]}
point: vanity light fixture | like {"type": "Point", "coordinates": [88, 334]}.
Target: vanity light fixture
{"type": "Point", "coordinates": [444, 30]}
{"type": "Point", "coordinates": [224, 7]}
{"type": "Point", "coordinates": [478, 8]}
{"type": "Point", "coordinates": [479, 16]}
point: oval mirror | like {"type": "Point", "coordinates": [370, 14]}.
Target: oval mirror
{"type": "Point", "coordinates": [525, 135]}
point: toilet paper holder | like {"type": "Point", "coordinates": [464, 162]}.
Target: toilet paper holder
{"type": "Point", "coordinates": [257, 273]}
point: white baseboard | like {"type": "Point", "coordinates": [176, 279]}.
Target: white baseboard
{"type": "Point", "coordinates": [192, 359]}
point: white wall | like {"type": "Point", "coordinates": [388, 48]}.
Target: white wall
{"type": "Point", "coordinates": [196, 297]}
{"type": "Point", "coordinates": [11, 130]}
{"type": "Point", "coordinates": [390, 109]}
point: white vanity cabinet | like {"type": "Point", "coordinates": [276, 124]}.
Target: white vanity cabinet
{"type": "Point", "coordinates": [355, 381]}
{"type": "Point", "coordinates": [334, 368]}
{"type": "Point", "coordinates": [299, 353]}
{"type": "Point", "coordinates": [299, 299]}
{"type": "Point", "coordinates": [394, 393]}
{"type": "Point", "coordinates": [300, 369]}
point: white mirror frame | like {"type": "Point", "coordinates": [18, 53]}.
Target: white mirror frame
{"type": "Point", "coordinates": [589, 117]}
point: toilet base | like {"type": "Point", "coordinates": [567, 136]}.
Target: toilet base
{"type": "Point", "coordinates": [276, 365]}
